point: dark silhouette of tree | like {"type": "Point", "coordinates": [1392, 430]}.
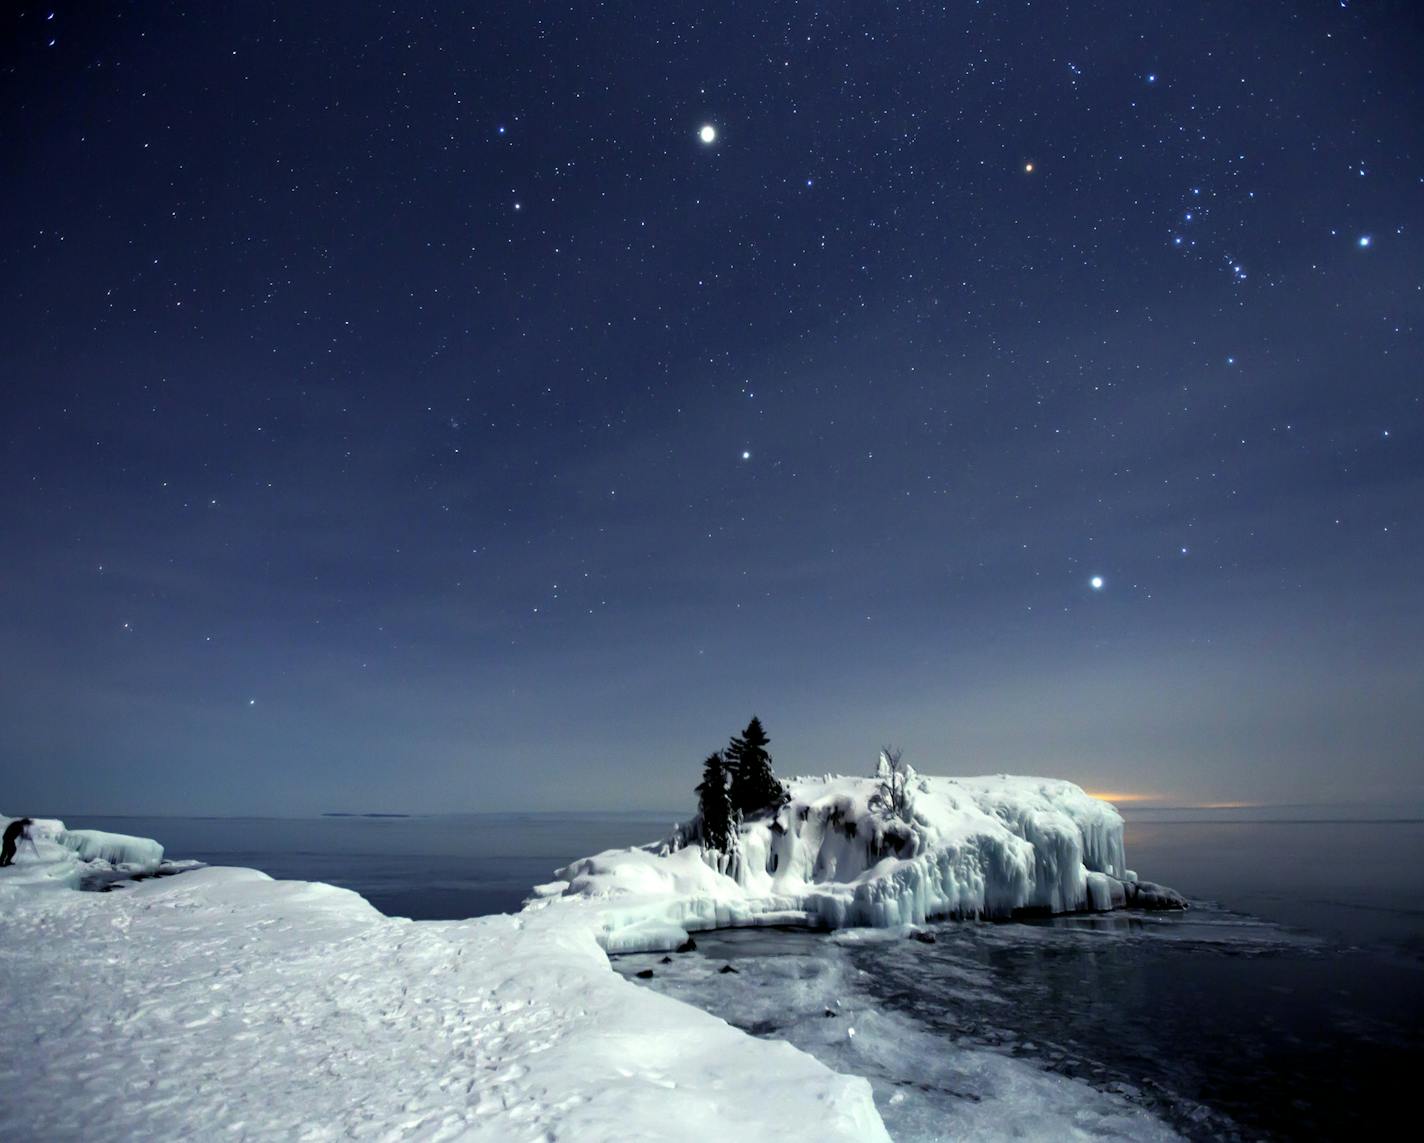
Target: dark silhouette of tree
{"type": "Point", "coordinates": [754, 787]}
{"type": "Point", "coordinates": [714, 805]}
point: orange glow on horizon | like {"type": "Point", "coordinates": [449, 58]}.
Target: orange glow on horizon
{"type": "Point", "coordinates": [1166, 802]}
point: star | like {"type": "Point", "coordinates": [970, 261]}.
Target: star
{"type": "Point", "coordinates": [1365, 241]}
{"type": "Point", "coordinates": [708, 133]}
{"type": "Point", "coordinates": [1028, 168]}
{"type": "Point", "coordinates": [746, 454]}
{"type": "Point", "coordinates": [1096, 583]}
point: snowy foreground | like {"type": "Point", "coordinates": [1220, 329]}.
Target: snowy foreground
{"type": "Point", "coordinates": [221, 999]}
{"type": "Point", "coordinates": [972, 847]}
{"type": "Point", "coordinates": [175, 1006]}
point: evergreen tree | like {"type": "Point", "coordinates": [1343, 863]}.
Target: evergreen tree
{"type": "Point", "coordinates": [714, 804]}
{"type": "Point", "coordinates": [754, 786]}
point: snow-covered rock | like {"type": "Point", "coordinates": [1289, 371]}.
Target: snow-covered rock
{"type": "Point", "coordinates": [221, 1002]}
{"type": "Point", "coordinates": [983, 847]}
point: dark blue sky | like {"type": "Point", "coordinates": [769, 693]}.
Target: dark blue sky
{"type": "Point", "coordinates": [404, 409]}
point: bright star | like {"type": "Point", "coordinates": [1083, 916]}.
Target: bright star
{"type": "Point", "coordinates": [1365, 241]}
{"type": "Point", "coordinates": [746, 454]}
{"type": "Point", "coordinates": [1096, 583]}
{"type": "Point", "coordinates": [1028, 168]}
{"type": "Point", "coordinates": [708, 134]}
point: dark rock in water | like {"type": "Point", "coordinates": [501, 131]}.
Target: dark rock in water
{"type": "Point", "coordinates": [832, 1012]}
{"type": "Point", "coordinates": [688, 945]}
{"type": "Point", "coordinates": [666, 960]}
{"type": "Point", "coordinates": [646, 974]}
{"type": "Point", "coordinates": [726, 968]}
{"type": "Point", "coordinates": [925, 938]}
{"type": "Point", "coordinates": [1150, 895]}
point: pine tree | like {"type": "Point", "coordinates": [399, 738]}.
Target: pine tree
{"type": "Point", "coordinates": [754, 786]}
{"type": "Point", "coordinates": [714, 804]}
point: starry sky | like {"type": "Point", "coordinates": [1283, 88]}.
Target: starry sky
{"type": "Point", "coordinates": [404, 407]}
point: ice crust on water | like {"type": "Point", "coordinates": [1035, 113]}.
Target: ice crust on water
{"type": "Point", "coordinates": [232, 1004]}
{"type": "Point", "coordinates": [808, 995]}
{"type": "Point", "coordinates": [986, 846]}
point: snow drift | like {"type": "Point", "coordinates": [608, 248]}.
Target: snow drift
{"type": "Point", "coordinates": [833, 857]}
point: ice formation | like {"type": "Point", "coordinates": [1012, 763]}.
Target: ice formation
{"type": "Point", "coordinates": [223, 1002]}
{"type": "Point", "coordinates": [833, 857]}
{"type": "Point", "coordinates": [115, 848]}
{"type": "Point", "coordinates": [65, 857]}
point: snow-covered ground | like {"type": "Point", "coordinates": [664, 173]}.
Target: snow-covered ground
{"type": "Point", "coordinates": [223, 1002]}
{"type": "Point", "coordinates": [175, 1007]}
{"type": "Point", "coordinates": [971, 847]}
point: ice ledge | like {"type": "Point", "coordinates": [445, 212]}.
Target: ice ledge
{"type": "Point", "coordinates": [968, 847]}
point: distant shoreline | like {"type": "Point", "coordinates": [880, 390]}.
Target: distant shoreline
{"type": "Point", "coordinates": [342, 814]}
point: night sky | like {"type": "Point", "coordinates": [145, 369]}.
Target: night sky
{"type": "Point", "coordinates": [402, 407]}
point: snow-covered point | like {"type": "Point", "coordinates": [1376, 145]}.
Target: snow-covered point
{"type": "Point", "coordinates": [222, 1002]}
{"type": "Point", "coordinates": [834, 857]}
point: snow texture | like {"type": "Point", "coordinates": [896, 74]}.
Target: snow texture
{"type": "Point", "coordinates": [221, 1002]}
{"type": "Point", "coordinates": [832, 857]}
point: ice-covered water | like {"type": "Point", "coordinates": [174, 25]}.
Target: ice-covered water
{"type": "Point", "coordinates": [1211, 1024]}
